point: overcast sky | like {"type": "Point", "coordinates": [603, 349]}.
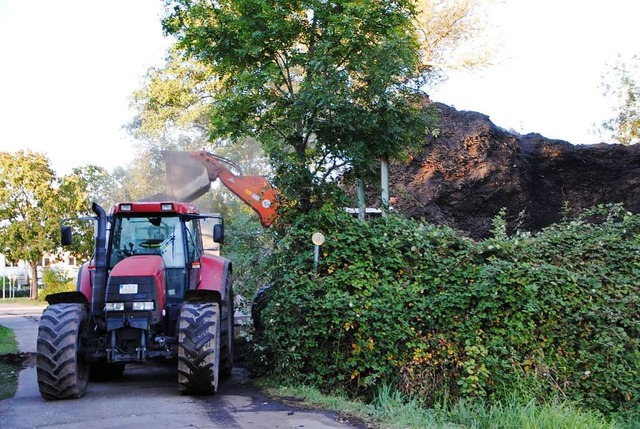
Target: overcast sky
{"type": "Point", "coordinates": [67, 70]}
{"type": "Point", "coordinates": [549, 77]}
{"type": "Point", "coordinates": [68, 67]}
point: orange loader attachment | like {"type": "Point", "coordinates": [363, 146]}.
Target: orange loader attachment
{"type": "Point", "coordinates": [190, 174]}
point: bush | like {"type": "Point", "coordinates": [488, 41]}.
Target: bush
{"type": "Point", "coordinates": [248, 245]}
{"type": "Point", "coordinates": [419, 306]}
{"type": "Point", "coordinates": [56, 280]}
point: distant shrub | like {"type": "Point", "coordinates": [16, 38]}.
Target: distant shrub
{"type": "Point", "coordinates": [398, 301]}
{"type": "Point", "coordinates": [56, 280]}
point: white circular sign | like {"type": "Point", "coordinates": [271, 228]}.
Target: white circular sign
{"type": "Point", "coordinates": [317, 238]}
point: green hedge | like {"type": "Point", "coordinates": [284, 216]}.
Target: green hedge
{"type": "Point", "coordinates": [397, 301]}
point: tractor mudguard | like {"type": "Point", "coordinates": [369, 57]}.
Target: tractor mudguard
{"type": "Point", "coordinates": [202, 295]}
{"type": "Point", "coordinates": [84, 282]}
{"type": "Point", "coordinates": [67, 298]}
{"type": "Point", "coordinates": [215, 273]}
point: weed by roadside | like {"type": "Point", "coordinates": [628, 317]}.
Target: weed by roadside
{"type": "Point", "coordinates": [391, 409]}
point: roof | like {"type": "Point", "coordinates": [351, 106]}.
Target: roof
{"type": "Point", "coordinates": [155, 207]}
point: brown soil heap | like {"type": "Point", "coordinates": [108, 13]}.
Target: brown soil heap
{"type": "Point", "coordinates": [473, 168]}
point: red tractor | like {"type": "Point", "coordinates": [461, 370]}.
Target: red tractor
{"type": "Point", "coordinates": [151, 291]}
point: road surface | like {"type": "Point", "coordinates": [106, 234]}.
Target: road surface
{"type": "Point", "coordinates": [145, 397]}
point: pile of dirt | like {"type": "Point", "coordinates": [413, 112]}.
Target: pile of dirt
{"type": "Point", "coordinates": [473, 169]}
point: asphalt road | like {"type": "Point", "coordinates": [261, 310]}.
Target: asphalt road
{"type": "Point", "coordinates": [145, 397]}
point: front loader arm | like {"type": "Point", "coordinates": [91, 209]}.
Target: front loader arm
{"type": "Point", "coordinates": [190, 174]}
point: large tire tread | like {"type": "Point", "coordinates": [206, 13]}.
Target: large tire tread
{"type": "Point", "coordinates": [199, 348]}
{"type": "Point", "coordinates": [62, 372]}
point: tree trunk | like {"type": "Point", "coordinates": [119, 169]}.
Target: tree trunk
{"type": "Point", "coordinates": [34, 280]}
{"type": "Point", "coordinates": [306, 180]}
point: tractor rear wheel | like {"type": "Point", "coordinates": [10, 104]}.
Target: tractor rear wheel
{"type": "Point", "coordinates": [199, 348]}
{"type": "Point", "coordinates": [62, 370]}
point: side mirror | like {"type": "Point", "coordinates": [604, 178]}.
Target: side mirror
{"type": "Point", "coordinates": [218, 233]}
{"type": "Point", "coordinates": [66, 236]}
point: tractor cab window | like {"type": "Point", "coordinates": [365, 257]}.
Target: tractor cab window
{"type": "Point", "coordinates": [193, 252]}
{"type": "Point", "coordinates": [153, 235]}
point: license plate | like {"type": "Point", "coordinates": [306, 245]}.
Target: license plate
{"type": "Point", "coordinates": [128, 288]}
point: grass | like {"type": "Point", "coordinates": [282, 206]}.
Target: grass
{"type": "Point", "coordinates": [24, 301]}
{"type": "Point", "coordinates": [517, 413]}
{"type": "Point", "coordinates": [8, 343]}
{"type": "Point", "coordinates": [392, 410]}
{"type": "Point", "coordinates": [10, 364]}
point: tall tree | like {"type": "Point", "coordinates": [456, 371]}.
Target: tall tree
{"type": "Point", "coordinates": [172, 114]}
{"type": "Point", "coordinates": [174, 100]}
{"type": "Point", "coordinates": [145, 177]}
{"type": "Point", "coordinates": [455, 34]}
{"type": "Point", "coordinates": [84, 186]}
{"type": "Point", "coordinates": [621, 83]}
{"type": "Point", "coordinates": [173, 107]}
{"type": "Point", "coordinates": [32, 202]}
{"type": "Point", "coordinates": [325, 86]}
{"type": "Point", "coordinates": [101, 186]}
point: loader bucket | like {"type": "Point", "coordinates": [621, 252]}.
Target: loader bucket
{"type": "Point", "coordinates": [187, 178]}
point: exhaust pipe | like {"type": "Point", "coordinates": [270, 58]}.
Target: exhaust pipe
{"type": "Point", "coordinates": [100, 262]}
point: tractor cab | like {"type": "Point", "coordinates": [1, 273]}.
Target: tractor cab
{"type": "Point", "coordinates": [168, 236]}
{"type": "Point", "coordinates": [153, 257]}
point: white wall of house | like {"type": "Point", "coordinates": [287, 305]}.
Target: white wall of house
{"type": "Point", "coordinates": [22, 271]}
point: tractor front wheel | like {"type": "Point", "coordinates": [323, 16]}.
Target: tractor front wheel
{"type": "Point", "coordinates": [199, 348]}
{"type": "Point", "coordinates": [62, 371]}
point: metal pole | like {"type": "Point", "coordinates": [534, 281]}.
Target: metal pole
{"type": "Point", "coordinates": [316, 257]}
{"type": "Point", "coordinates": [384, 179]}
{"type": "Point", "coordinates": [317, 239]}
{"type": "Point", "coordinates": [362, 205]}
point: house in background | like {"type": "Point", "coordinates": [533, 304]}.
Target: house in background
{"type": "Point", "coordinates": [20, 273]}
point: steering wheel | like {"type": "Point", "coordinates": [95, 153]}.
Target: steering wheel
{"type": "Point", "coordinates": [150, 244]}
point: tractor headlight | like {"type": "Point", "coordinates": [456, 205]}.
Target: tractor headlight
{"type": "Point", "coordinates": [114, 306]}
{"type": "Point", "coordinates": [142, 305]}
